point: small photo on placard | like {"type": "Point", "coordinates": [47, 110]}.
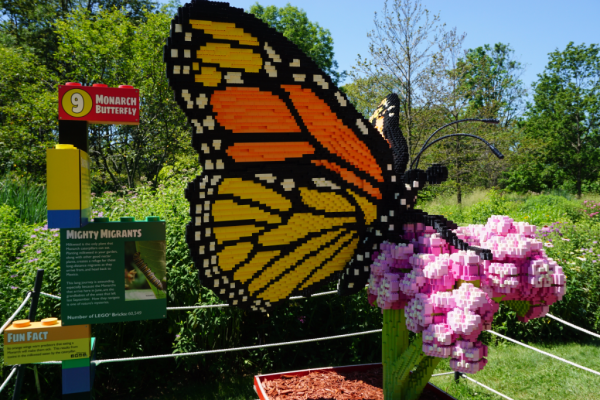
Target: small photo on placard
{"type": "Point", "coordinates": [145, 270]}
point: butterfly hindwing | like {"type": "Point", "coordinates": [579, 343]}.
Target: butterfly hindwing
{"type": "Point", "coordinates": [295, 186]}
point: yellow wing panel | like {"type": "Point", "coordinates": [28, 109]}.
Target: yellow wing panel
{"type": "Point", "coordinates": [209, 76]}
{"type": "Point", "coordinates": [369, 209]}
{"type": "Point", "coordinates": [256, 264]}
{"type": "Point", "coordinates": [325, 201]}
{"type": "Point", "coordinates": [229, 210]}
{"type": "Point", "coordinates": [286, 284]}
{"type": "Point", "coordinates": [255, 191]}
{"type": "Point", "coordinates": [226, 233]}
{"type": "Point", "coordinates": [226, 57]}
{"type": "Point", "coordinates": [231, 256]}
{"type": "Point", "coordinates": [224, 30]}
{"type": "Point", "coordinates": [300, 225]}
{"type": "Point", "coordinates": [291, 259]}
{"type": "Point", "coordinates": [336, 264]}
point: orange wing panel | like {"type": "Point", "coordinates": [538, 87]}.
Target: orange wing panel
{"type": "Point", "coordinates": [331, 132]}
{"type": "Point", "coordinates": [269, 151]}
{"type": "Point", "coordinates": [350, 177]}
{"type": "Point", "coordinates": [249, 110]}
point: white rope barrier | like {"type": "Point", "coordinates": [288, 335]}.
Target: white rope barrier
{"type": "Point", "coordinates": [442, 374]}
{"type": "Point", "coordinates": [317, 295]}
{"type": "Point", "coordinates": [573, 326]}
{"type": "Point", "coordinates": [12, 317]}
{"type": "Point", "coordinates": [211, 305]}
{"type": "Point", "coordinates": [547, 354]}
{"type": "Point", "coordinates": [14, 371]}
{"type": "Point", "coordinates": [227, 305]}
{"type": "Point", "coordinates": [487, 387]}
{"type": "Point", "coordinates": [50, 295]}
{"type": "Point", "coordinates": [198, 353]}
{"type": "Point", "coordinates": [196, 307]}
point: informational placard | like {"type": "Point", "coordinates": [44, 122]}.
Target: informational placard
{"type": "Point", "coordinates": [113, 272]}
{"type": "Point", "coordinates": [99, 104]}
{"type": "Point", "coordinates": [37, 343]}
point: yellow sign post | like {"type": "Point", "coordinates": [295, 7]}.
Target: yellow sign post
{"type": "Point", "coordinates": [68, 187]}
{"type": "Point", "coordinates": [32, 342]}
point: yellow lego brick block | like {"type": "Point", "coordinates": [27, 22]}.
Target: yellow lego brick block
{"type": "Point", "coordinates": [68, 187]}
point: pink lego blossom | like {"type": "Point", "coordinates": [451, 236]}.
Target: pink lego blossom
{"type": "Point", "coordinates": [450, 296]}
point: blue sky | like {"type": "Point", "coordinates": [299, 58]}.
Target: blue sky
{"type": "Point", "coordinates": [533, 28]}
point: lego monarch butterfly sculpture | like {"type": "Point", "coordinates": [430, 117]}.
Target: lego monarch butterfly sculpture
{"type": "Point", "coordinates": [297, 187]}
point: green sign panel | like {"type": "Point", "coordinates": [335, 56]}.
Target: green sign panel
{"type": "Point", "coordinates": [113, 271]}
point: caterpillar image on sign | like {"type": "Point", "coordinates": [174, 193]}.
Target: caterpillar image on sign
{"type": "Point", "coordinates": [298, 189]}
{"type": "Point", "coordinates": [145, 270]}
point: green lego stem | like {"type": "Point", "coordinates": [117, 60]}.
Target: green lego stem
{"type": "Point", "coordinates": [394, 345]}
{"type": "Point", "coordinates": [399, 358]}
{"type": "Point", "coordinates": [404, 364]}
{"type": "Point", "coordinates": [419, 378]}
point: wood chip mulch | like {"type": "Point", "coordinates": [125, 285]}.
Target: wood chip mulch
{"type": "Point", "coordinates": [327, 385]}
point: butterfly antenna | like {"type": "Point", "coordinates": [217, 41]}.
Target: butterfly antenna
{"type": "Point", "coordinates": [492, 148]}
{"type": "Point", "coordinates": [485, 120]}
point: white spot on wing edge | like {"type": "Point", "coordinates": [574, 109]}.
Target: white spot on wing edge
{"type": "Point", "coordinates": [288, 184]}
{"type": "Point", "coordinates": [266, 177]}
{"type": "Point", "coordinates": [322, 182]}
{"type": "Point", "coordinates": [340, 99]}
{"type": "Point", "coordinates": [274, 56]}
{"type": "Point", "coordinates": [361, 125]}
{"type": "Point", "coordinates": [319, 80]}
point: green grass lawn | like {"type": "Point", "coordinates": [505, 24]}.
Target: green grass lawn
{"type": "Point", "coordinates": [523, 374]}
{"type": "Point", "coordinates": [515, 371]}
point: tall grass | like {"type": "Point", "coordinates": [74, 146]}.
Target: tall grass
{"type": "Point", "coordinates": [26, 196]}
{"type": "Point", "coordinates": [536, 209]}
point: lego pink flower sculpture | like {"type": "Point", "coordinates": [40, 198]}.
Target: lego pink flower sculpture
{"type": "Point", "coordinates": [450, 296]}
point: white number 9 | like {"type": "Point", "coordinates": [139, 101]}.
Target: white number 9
{"type": "Point", "coordinates": [78, 102]}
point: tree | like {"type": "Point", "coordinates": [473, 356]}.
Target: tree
{"type": "Point", "coordinates": [479, 83]}
{"type": "Point", "coordinates": [28, 112]}
{"type": "Point", "coordinates": [444, 88]}
{"type": "Point", "coordinates": [30, 23]}
{"type": "Point", "coordinates": [562, 124]}
{"type": "Point", "coordinates": [491, 82]}
{"type": "Point", "coordinates": [310, 37]}
{"type": "Point", "coordinates": [400, 60]}
{"type": "Point", "coordinates": [111, 48]}
{"type": "Point", "coordinates": [365, 94]}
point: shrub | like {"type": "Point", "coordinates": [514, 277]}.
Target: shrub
{"type": "Point", "coordinates": [12, 234]}
{"type": "Point", "coordinates": [24, 195]}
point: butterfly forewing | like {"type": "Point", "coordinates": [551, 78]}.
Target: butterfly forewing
{"type": "Point", "coordinates": [294, 180]}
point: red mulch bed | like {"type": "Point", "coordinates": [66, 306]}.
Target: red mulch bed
{"type": "Point", "coordinates": [331, 385]}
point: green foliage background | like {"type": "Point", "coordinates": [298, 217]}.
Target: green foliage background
{"type": "Point", "coordinates": [27, 247]}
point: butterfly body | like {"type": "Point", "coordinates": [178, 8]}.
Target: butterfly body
{"type": "Point", "coordinates": [297, 187]}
